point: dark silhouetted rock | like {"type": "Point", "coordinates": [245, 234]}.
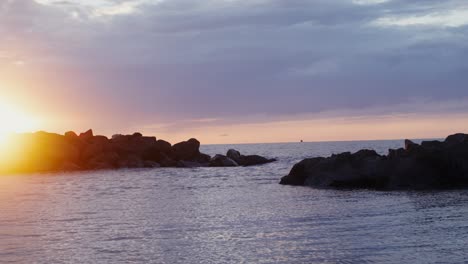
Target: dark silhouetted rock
{"type": "Point", "coordinates": [456, 139]}
{"type": "Point", "coordinates": [70, 135]}
{"type": "Point", "coordinates": [234, 155]}
{"type": "Point", "coordinates": [137, 135]}
{"type": "Point", "coordinates": [111, 160]}
{"type": "Point", "coordinates": [253, 160]}
{"type": "Point", "coordinates": [166, 161]}
{"type": "Point", "coordinates": [48, 152]}
{"type": "Point", "coordinates": [202, 159]}
{"type": "Point", "coordinates": [249, 160]}
{"type": "Point", "coordinates": [222, 161]}
{"type": "Point", "coordinates": [69, 166]}
{"type": "Point", "coordinates": [431, 165]}
{"type": "Point", "coordinates": [151, 164]}
{"type": "Point", "coordinates": [131, 161]}
{"type": "Point", "coordinates": [409, 145]}
{"type": "Point", "coordinates": [188, 164]}
{"type": "Point", "coordinates": [87, 135]}
{"type": "Point", "coordinates": [187, 150]}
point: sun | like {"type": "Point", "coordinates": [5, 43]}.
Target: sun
{"type": "Point", "coordinates": [13, 120]}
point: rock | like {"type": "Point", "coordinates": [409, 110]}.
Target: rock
{"type": "Point", "coordinates": [222, 161]}
{"type": "Point", "coordinates": [456, 139]}
{"type": "Point", "coordinates": [151, 164]}
{"type": "Point", "coordinates": [188, 164]}
{"type": "Point", "coordinates": [100, 166]}
{"type": "Point", "coordinates": [131, 161]}
{"type": "Point", "coordinates": [409, 145]}
{"type": "Point", "coordinates": [92, 150]}
{"type": "Point", "coordinates": [187, 150]}
{"type": "Point", "coordinates": [432, 144]}
{"type": "Point", "coordinates": [138, 135]}
{"type": "Point", "coordinates": [70, 166]}
{"type": "Point", "coordinates": [203, 159]}
{"type": "Point", "coordinates": [160, 150]}
{"type": "Point", "coordinates": [397, 153]}
{"type": "Point", "coordinates": [70, 135]}
{"type": "Point", "coordinates": [109, 158]}
{"type": "Point", "coordinates": [130, 144]}
{"type": "Point", "coordinates": [300, 172]}
{"type": "Point", "coordinates": [48, 152]}
{"type": "Point", "coordinates": [164, 147]}
{"type": "Point", "coordinates": [87, 135]}
{"type": "Point", "coordinates": [167, 161]}
{"type": "Point", "coordinates": [431, 165]}
{"type": "Point", "coordinates": [250, 160]}
{"type": "Point", "coordinates": [344, 170]}
{"type": "Point", "coordinates": [253, 160]}
{"type": "Point", "coordinates": [234, 155]}
{"type": "Point", "coordinates": [119, 137]}
{"type": "Point", "coordinates": [100, 140]}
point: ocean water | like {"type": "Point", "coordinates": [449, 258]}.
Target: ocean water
{"type": "Point", "coordinates": [226, 215]}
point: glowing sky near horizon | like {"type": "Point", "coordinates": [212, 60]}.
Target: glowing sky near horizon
{"type": "Point", "coordinates": [237, 71]}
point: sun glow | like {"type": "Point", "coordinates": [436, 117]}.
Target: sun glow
{"type": "Point", "coordinates": [12, 120]}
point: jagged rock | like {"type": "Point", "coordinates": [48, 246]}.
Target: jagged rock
{"type": "Point", "coordinates": [70, 135]}
{"type": "Point", "coordinates": [87, 135]}
{"type": "Point", "coordinates": [222, 161]}
{"type": "Point", "coordinates": [409, 145]}
{"type": "Point", "coordinates": [48, 152]}
{"type": "Point", "coordinates": [431, 165]}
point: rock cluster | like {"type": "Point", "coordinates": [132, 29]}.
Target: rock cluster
{"type": "Point", "coordinates": [429, 165]}
{"type": "Point", "coordinates": [46, 152]}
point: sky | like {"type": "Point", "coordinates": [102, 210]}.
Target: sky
{"type": "Point", "coordinates": [237, 71]}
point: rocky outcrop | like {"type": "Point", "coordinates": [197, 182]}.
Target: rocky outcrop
{"type": "Point", "coordinates": [250, 160]}
{"type": "Point", "coordinates": [430, 165]}
{"type": "Point", "coordinates": [48, 152]}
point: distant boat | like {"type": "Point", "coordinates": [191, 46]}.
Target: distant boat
{"type": "Point", "coordinates": [302, 141]}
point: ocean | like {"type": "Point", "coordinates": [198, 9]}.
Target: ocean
{"type": "Point", "coordinates": [226, 215]}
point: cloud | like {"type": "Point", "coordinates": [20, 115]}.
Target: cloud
{"type": "Point", "coordinates": [172, 61]}
{"type": "Point", "coordinates": [369, 2]}
{"type": "Point", "coordinates": [452, 18]}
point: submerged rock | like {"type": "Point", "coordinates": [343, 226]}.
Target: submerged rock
{"type": "Point", "coordinates": [431, 165]}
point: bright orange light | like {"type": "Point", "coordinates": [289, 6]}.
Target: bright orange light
{"type": "Point", "coordinates": [13, 120]}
